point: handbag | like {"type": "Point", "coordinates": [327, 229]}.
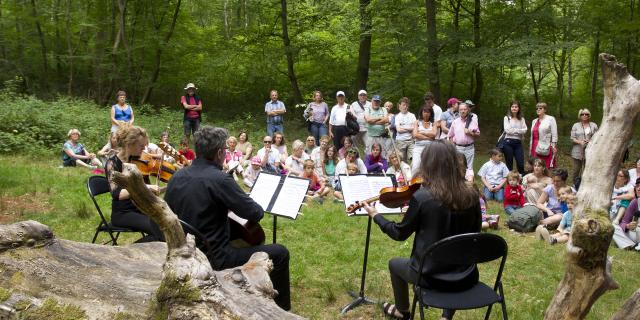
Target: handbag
{"type": "Point", "coordinates": [352, 123]}
{"type": "Point", "coordinates": [543, 149]}
{"type": "Point", "coordinates": [500, 144]}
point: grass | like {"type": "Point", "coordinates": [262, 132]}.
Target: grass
{"type": "Point", "coordinates": [326, 248]}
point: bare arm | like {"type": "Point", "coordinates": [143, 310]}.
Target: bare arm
{"type": "Point", "coordinates": [113, 117]}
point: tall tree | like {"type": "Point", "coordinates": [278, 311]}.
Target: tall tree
{"type": "Point", "coordinates": [43, 46]}
{"type": "Point", "coordinates": [364, 49]}
{"type": "Point", "coordinates": [433, 72]}
{"type": "Point", "coordinates": [289, 53]}
{"type": "Point", "coordinates": [479, 86]}
{"type": "Point", "coordinates": [455, 5]}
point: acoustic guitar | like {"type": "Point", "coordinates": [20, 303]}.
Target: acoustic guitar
{"type": "Point", "coordinates": [251, 232]}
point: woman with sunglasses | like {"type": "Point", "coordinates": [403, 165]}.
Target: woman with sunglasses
{"type": "Point", "coordinates": [581, 133]}
{"type": "Point", "coordinates": [544, 136]}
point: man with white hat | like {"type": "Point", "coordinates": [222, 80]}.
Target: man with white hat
{"type": "Point", "coordinates": [192, 105]}
{"type": "Point", "coordinates": [358, 108]}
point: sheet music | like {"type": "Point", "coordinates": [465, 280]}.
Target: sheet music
{"type": "Point", "coordinates": [290, 197]}
{"type": "Point", "coordinates": [264, 188]}
{"type": "Point", "coordinates": [362, 187]}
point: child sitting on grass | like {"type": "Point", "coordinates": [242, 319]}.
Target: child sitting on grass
{"type": "Point", "coordinates": [352, 168]}
{"type": "Point", "coordinates": [317, 188]}
{"type": "Point", "coordinates": [251, 173]}
{"type": "Point", "coordinates": [488, 220]}
{"type": "Point", "coordinates": [513, 193]}
{"type": "Point", "coordinates": [494, 175]}
{"type": "Point", "coordinates": [186, 151]}
{"type": "Point", "coordinates": [564, 229]}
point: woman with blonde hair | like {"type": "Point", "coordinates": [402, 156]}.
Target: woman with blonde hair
{"type": "Point", "coordinates": [74, 153]}
{"type": "Point", "coordinates": [581, 132]}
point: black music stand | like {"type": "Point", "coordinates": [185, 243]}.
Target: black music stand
{"type": "Point", "coordinates": [360, 298]}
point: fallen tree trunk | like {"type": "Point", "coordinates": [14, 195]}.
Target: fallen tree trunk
{"type": "Point", "coordinates": [588, 276]}
{"type": "Point", "coordinates": [153, 280]}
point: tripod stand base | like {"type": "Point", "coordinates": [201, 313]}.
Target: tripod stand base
{"type": "Point", "coordinates": [359, 300]}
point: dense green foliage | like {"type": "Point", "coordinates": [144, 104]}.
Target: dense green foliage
{"type": "Point", "coordinates": [234, 50]}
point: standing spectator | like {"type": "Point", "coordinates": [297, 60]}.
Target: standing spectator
{"type": "Point", "coordinates": [74, 153]}
{"type": "Point", "coordinates": [513, 193]}
{"type": "Point", "coordinates": [337, 120]}
{"type": "Point", "coordinates": [424, 132]}
{"type": "Point", "coordinates": [376, 118]}
{"type": "Point", "coordinates": [391, 127]}
{"type": "Point", "coordinates": [121, 112]}
{"type": "Point", "coordinates": [358, 109]}
{"type": "Point", "coordinates": [514, 127]}
{"type": "Point", "coordinates": [245, 147]}
{"type": "Point", "coordinates": [275, 111]}
{"type": "Point", "coordinates": [544, 136]}
{"type": "Point", "coordinates": [429, 99]}
{"type": "Point", "coordinates": [581, 133]}
{"type": "Point", "coordinates": [494, 175]}
{"type": "Point", "coordinates": [192, 105]}
{"type": "Point", "coordinates": [269, 156]}
{"type": "Point", "coordinates": [319, 114]}
{"type": "Point", "coordinates": [448, 116]}
{"type": "Point", "coordinates": [294, 164]}
{"type": "Point", "coordinates": [374, 161]}
{"type": "Point", "coordinates": [464, 130]}
{"type": "Point", "coordinates": [404, 122]}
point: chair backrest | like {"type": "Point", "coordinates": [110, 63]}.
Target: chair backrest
{"type": "Point", "coordinates": [467, 249]}
{"type": "Point", "coordinates": [97, 185]}
{"type": "Point", "coordinates": [200, 238]}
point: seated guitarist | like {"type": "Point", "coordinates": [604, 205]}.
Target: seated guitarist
{"type": "Point", "coordinates": [202, 194]}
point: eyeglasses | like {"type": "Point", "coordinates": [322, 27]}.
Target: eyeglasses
{"type": "Point", "coordinates": [267, 141]}
{"type": "Point", "coordinates": [585, 114]}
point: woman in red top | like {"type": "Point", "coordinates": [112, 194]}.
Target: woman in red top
{"type": "Point", "coordinates": [513, 193]}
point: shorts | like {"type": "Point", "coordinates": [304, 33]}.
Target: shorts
{"type": "Point", "coordinates": [191, 126]}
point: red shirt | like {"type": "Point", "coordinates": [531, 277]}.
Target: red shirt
{"type": "Point", "coordinates": [188, 154]}
{"type": "Point", "coordinates": [513, 196]}
{"type": "Point", "coordinates": [315, 181]}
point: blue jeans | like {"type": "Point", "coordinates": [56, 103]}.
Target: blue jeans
{"type": "Point", "coordinates": [496, 195]}
{"type": "Point", "coordinates": [272, 128]}
{"type": "Point", "coordinates": [318, 130]}
{"type": "Point", "coordinates": [513, 148]}
{"type": "Point", "coordinates": [509, 210]}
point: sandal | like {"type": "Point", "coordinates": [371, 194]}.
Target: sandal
{"type": "Point", "coordinates": [391, 311]}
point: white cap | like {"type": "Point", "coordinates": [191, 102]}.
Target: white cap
{"type": "Point", "coordinates": [190, 85]}
{"type": "Point", "coordinates": [362, 92]}
{"type": "Point", "coordinates": [340, 93]}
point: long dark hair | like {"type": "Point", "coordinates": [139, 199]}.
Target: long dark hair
{"type": "Point", "coordinates": [519, 114]}
{"type": "Point", "coordinates": [442, 174]}
{"type": "Point", "coordinates": [424, 108]}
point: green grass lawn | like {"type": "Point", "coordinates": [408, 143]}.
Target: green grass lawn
{"type": "Point", "coordinates": [326, 247]}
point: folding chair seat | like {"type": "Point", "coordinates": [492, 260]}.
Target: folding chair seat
{"type": "Point", "coordinates": [97, 185]}
{"type": "Point", "coordinates": [463, 250]}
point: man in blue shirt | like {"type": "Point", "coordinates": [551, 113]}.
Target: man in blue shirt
{"type": "Point", "coordinates": [275, 111]}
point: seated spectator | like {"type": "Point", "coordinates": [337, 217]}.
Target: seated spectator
{"type": "Point", "coordinates": [549, 201]}
{"type": "Point", "coordinates": [269, 157]}
{"type": "Point", "coordinates": [564, 228]}
{"type": "Point", "coordinates": [513, 193]}
{"type": "Point", "coordinates": [279, 144]}
{"type": "Point", "coordinates": [186, 151]}
{"type": "Point", "coordinates": [310, 145]}
{"type": "Point", "coordinates": [621, 196]}
{"type": "Point", "coordinates": [109, 149]}
{"type": "Point", "coordinates": [626, 234]}
{"type": "Point", "coordinates": [233, 157]}
{"type": "Point", "coordinates": [535, 181]}
{"type": "Point", "coordinates": [347, 143]}
{"type": "Point", "coordinates": [353, 156]}
{"type": "Point", "coordinates": [251, 173]}
{"type": "Point", "coordinates": [245, 147]}
{"type": "Point", "coordinates": [374, 162]}
{"type": "Point", "coordinates": [399, 168]}
{"type": "Point", "coordinates": [330, 160]}
{"type": "Point", "coordinates": [294, 164]}
{"type": "Point", "coordinates": [74, 153]}
{"type": "Point", "coordinates": [494, 175]}
{"type": "Point", "coordinates": [317, 155]}
{"type": "Point", "coordinates": [352, 168]}
{"type": "Point", "coordinates": [317, 188]}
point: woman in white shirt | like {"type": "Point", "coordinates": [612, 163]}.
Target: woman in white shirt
{"type": "Point", "coordinates": [294, 163]}
{"type": "Point", "coordinates": [581, 133]}
{"type": "Point", "coordinates": [399, 168]}
{"type": "Point", "coordinates": [544, 136]}
{"type": "Point", "coordinates": [424, 132]}
{"type": "Point", "coordinates": [514, 127]}
{"type": "Point", "coordinates": [353, 156]}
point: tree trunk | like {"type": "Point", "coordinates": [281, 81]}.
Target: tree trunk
{"type": "Point", "coordinates": [432, 50]}
{"type": "Point", "coordinates": [150, 280]}
{"type": "Point", "coordinates": [226, 19]}
{"type": "Point", "coordinates": [534, 82]}
{"type": "Point", "coordinates": [69, 48]}
{"type": "Point", "coordinates": [156, 70]}
{"type": "Point", "coordinates": [630, 310]}
{"type": "Point", "coordinates": [570, 79]}
{"type": "Point", "coordinates": [594, 74]}
{"type": "Point", "coordinates": [289, 53]}
{"type": "Point", "coordinates": [588, 276]}
{"type": "Point", "coordinates": [456, 44]}
{"type": "Point", "coordinates": [364, 49]}
{"type": "Point", "coordinates": [477, 94]}
{"type": "Point", "coordinates": [43, 46]}
{"type": "Point", "coordinates": [58, 45]}
{"type": "Point", "coordinates": [3, 49]}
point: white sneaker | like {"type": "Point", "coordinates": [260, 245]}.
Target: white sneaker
{"type": "Point", "coordinates": [637, 247]}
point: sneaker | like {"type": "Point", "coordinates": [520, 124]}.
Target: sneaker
{"type": "Point", "coordinates": [637, 247]}
{"type": "Point", "coordinates": [93, 167]}
{"type": "Point", "coordinates": [553, 240]}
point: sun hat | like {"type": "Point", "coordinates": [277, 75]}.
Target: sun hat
{"type": "Point", "coordinates": [469, 102]}
{"type": "Point", "coordinates": [256, 160]}
{"type": "Point", "coordinates": [190, 85]}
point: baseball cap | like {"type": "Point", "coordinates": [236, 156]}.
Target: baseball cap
{"type": "Point", "coordinates": [469, 102]}
{"type": "Point", "coordinates": [362, 92]}
{"type": "Point", "coordinates": [376, 98]}
{"type": "Point", "coordinates": [256, 160]}
{"type": "Point", "coordinates": [340, 93]}
{"type": "Point", "coordinates": [190, 85]}
{"type": "Point", "coordinates": [452, 101]}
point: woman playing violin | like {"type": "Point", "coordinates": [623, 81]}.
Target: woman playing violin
{"type": "Point", "coordinates": [444, 206]}
{"type": "Point", "coordinates": [131, 140]}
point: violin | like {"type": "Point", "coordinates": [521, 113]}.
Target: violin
{"type": "Point", "coordinates": [148, 165]}
{"type": "Point", "coordinates": [391, 197]}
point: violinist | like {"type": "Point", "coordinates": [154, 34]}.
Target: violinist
{"type": "Point", "coordinates": [131, 140]}
{"type": "Point", "coordinates": [444, 206]}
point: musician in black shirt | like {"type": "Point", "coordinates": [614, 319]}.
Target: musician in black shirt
{"type": "Point", "coordinates": [202, 194]}
{"type": "Point", "coordinates": [444, 206]}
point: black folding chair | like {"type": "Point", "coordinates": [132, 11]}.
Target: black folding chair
{"type": "Point", "coordinates": [464, 250]}
{"type": "Point", "coordinates": [201, 240]}
{"type": "Point", "coordinates": [97, 185]}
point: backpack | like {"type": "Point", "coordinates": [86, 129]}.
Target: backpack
{"type": "Point", "coordinates": [524, 219]}
{"type": "Point", "coordinates": [352, 123]}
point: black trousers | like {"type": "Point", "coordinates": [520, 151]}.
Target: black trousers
{"type": "Point", "coordinates": [513, 149]}
{"type": "Point", "coordinates": [338, 133]}
{"type": "Point", "coordinates": [279, 275]}
{"type": "Point", "coordinates": [137, 221]}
